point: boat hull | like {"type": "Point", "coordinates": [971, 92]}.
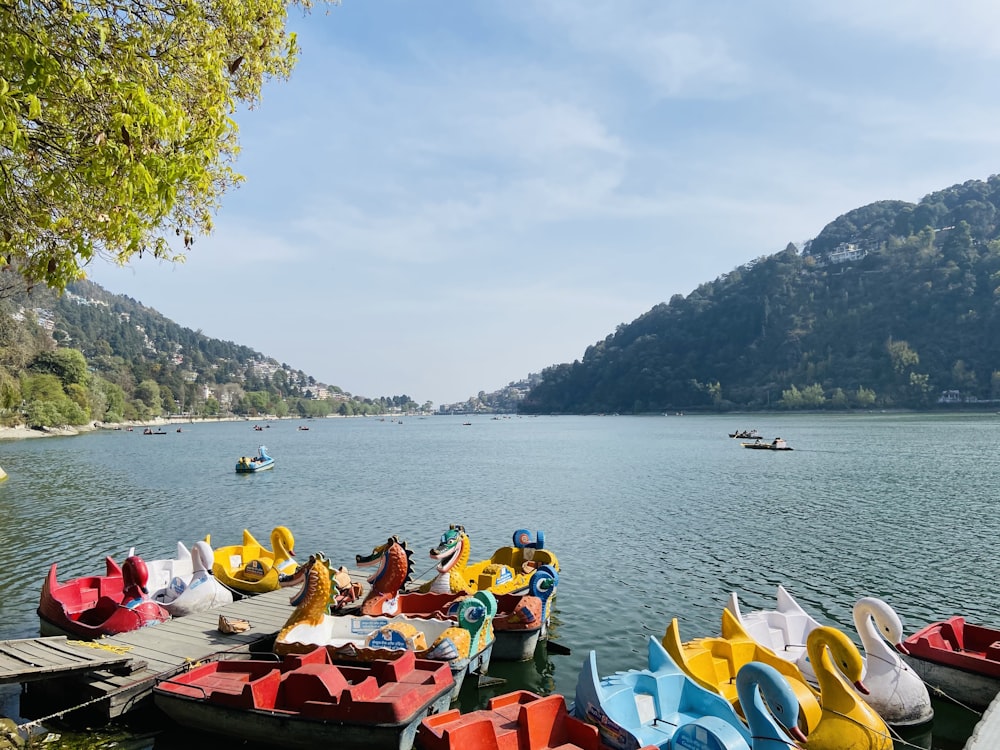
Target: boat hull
{"type": "Point", "coordinates": [958, 685]}
{"type": "Point", "coordinates": [515, 645]}
{"type": "Point", "coordinates": [959, 659]}
{"type": "Point", "coordinates": [277, 730]}
{"type": "Point", "coordinates": [308, 702]}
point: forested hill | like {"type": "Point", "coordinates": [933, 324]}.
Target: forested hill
{"type": "Point", "coordinates": [892, 305]}
{"type": "Point", "coordinates": [93, 355]}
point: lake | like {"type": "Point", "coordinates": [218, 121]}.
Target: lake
{"type": "Point", "coordinates": [651, 517]}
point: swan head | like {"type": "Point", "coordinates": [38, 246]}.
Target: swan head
{"type": "Point", "coordinates": [887, 623]}
{"type": "Point", "coordinates": [202, 557]}
{"type": "Point", "coordinates": [282, 543]}
{"type": "Point", "coordinates": [767, 699]}
{"type": "Point", "coordinates": [840, 650]}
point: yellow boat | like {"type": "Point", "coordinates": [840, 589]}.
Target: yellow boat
{"type": "Point", "coordinates": [251, 568]}
{"type": "Point", "coordinates": [714, 663]}
{"type": "Point", "coordinates": [833, 717]}
{"type": "Point", "coordinates": [507, 571]}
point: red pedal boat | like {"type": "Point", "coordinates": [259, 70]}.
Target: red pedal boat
{"type": "Point", "coordinates": [92, 606]}
{"type": "Point", "coordinates": [959, 659]}
{"type": "Point", "coordinates": [520, 720]}
{"type": "Point", "coordinates": [306, 701]}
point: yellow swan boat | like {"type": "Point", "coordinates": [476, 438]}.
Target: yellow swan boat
{"type": "Point", "coordinates": [833, 717]}
{"type": "Point", "coordinates": [251, 568]}
{"type": "Point", "coordinates": [714, 663]}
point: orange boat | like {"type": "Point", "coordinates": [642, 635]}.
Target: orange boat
{"type": "Point", "coordinates": [520, 720]}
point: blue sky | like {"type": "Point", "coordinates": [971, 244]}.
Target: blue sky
{"type": "Point", "coordinates": [447, 196]}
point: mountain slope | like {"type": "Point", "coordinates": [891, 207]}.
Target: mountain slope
{"type": "Point", "coordinates": [889, 305]}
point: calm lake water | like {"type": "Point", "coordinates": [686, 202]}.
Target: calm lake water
{"type": "Point", "coordinates": [651, 517]}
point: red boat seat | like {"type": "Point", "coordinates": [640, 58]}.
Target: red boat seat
{"type": "Point", "coordinates": [520, 720]}
{"type": "Point", "coordinates": [239, 692]}
{"type": "Point", "coordinates": [321, 683]}
{"type": "Point", "coordinates": [993, 651]}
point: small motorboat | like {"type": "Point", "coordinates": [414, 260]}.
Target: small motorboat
{"type": "Point", "coordinates": [261, 462]}
{"type": "Point", "coordinates": [521, 620]}
{"type": "Point", "coordinates": [185, 585]}
{"type": "Point", "coordinates": [507, 571]}
{"type": "Point", "coordinates": [519, 720]}
{"type": "Point", "coordinates": [778, 444]}
{"type": "Point", "coordinates": [306, 701]}
{"type": "Point", "coordinates": [252, 569]}
{"type": "Point", "coordinates": [93, 606]}
{"type": "Point", "coordinates": [465, 643]}
{"type": "Point", "coordinates": [960, 660]}
{"type": "Point", "coordinates": [895, 690]}
{"type": "Point", "coordinates": [662, 707]}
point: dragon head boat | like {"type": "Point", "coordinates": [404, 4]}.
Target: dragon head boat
{"type": "Point", "coordinates": [93, 606]}
{"type": "Point", "coordinates": [507, 571]}
{"type": "Point", "coordinates": [252, 569]}
{"type": "Point", "coordinates": [521, 620]}
{"type": "Point", "coordinates": [465, 643]}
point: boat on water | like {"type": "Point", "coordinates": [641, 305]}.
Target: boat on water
{"type": "Point", "coordinates": [148, 431]}
{"type": "Point", "coordinates": [507, 571]}
{"type": "Point", "coordinates": [251, 568]}
{"type": "Point", "coordinates": [519, 720]}
{"type": "Point", "coordinates": [183, 585]}
{"type": "Point", "coordinates": [93, 606]}
{"type": "Point", "coordinates": [464, 643]}
{"type": "Point", "coordinates": [521, 620]}
{"type": "Point", "coordinates": [958, 659]}
{"type": "Point", "coordinates": [778, 444]}
{"type": "Point", "coordinates": [895, 690]}
{"type": "Point", "coordinates": [307, 701]}
{"type": "Point", "coordinates": [833, 714]}
{"type": "Point", "coordinates": [662, 707]}
{"type": "Point", "coordinates": [261, 462]}
{"type": "Point", "coordinates": [746, 435]}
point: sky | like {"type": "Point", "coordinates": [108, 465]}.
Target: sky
{"type": "Point", "coordinates": [447, 196]}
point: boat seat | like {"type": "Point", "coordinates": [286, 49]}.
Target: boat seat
{"type": "Point", "coordinates": [313, 686]}
{"type": "Point", "coordinates": [238, 690]}
{"type": "Point", "coordinates": [993, 651]}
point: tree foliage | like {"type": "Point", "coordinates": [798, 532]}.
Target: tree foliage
{"type": "Point", "coordinates": [910, 312]}
{"type": "Point", "coordinates": [116, 129]}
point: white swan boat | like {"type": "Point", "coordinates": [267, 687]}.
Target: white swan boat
{"type": "Point", "coordinates": [184, 585]}
{"type": "Point", "coordinates": [896, 691]}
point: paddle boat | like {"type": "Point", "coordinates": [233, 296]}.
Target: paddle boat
{"type": "Point", "coordinates": [778, 444]}
{"type": "Point", "coordinates": [959, 660]}
{"type": "Point", "coordinates": [521, 620]}
{"type": "Point", "coordinates": [833, 716]}
{"type": "Point", "coordinates": [93, 606]}
{"type": "Point", "coordinates": [895, 690]}
{"type": "Point", "coordinates": [250, 568]}
{"type": "Point", "coordinates": [307, 701]}
{"type": "Point", "coordinates": [261, 462]}
{"type": "Point", "coordinates": [184, 585]}
{"type": "Point", "coordinates": [519, 720]}
{"type": "Point", "coordinates": [507, 571]}
{"type": "Point", "coordinates": [465, 643]}
{"type": "Point", "coordinates": [663, 707]}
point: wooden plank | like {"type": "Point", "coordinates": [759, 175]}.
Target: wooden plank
{"type": "Point", "coordinates": [168, 648]}
{"type": "Point", "coordinates": [29, 659]}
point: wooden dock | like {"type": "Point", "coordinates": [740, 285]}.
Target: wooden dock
{"type": "Point", "coordinates": [29, 659]}
{"type": "Point", "coordinates": [150, 654]}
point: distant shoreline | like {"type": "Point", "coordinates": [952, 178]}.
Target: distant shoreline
{"type": "Point", "coordinates": [22, 432]}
